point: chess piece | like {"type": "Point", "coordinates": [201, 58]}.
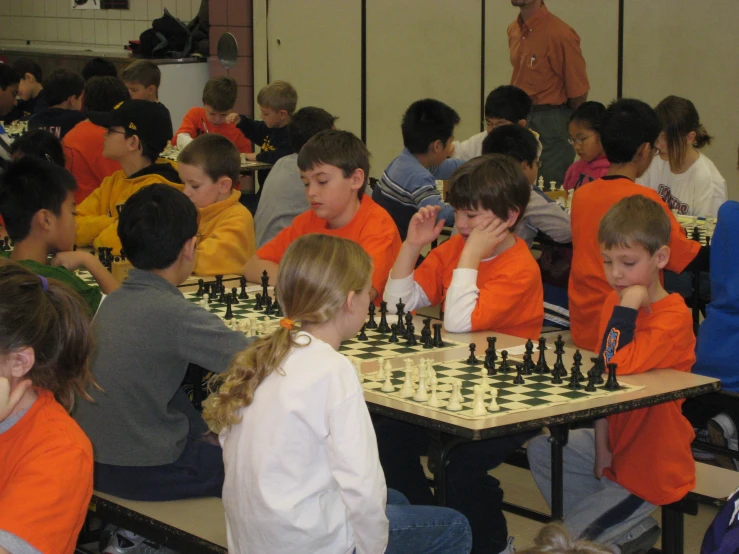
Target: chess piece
{"type": "Point", "coordinates": [437, 340]}
{"type": "Point", "coordinates": [519, 375]}
{"type": "Point", "coordinates": [222, 292]}
{"type": "Point", "coordinates": [491, 356]}
{"type": "Point", "coordinates": [472, 360]}
{"type": "Point", "coordinates": [243, 295]}
{"type": "Point", "coordinates": [574, 381]}
{"type": "Point", "coordinates": [229, 313]}
{"type": "Point", "coordinates": [265, 284]}
{"type": "Point", "coordinates": [541, 364]}
{"type": "Point", "coordinates": [380, 370]}
{"type": "Point", "coordinates": [559, 345]}
{"type": "Point", "coordinates": [219, 281]}
{"type": "Point", "coordinates": [408, 322]}
{"type": "Point", "coordinates": [484, 379]}
{"type": "Point", "coordinates": [577, 358]}
{"type": "Point", "coordinates": [591, 384]}
{"type": "Point", "coordinates": [205, 301]}
{"type": "Point", "coordinates": [387, 367]}
{"type": "Point", "coordinates": [434, 401]}
{"type": "Point", "coordinates": [234, 296]}
{"type": "Point", "coordinates": [277, 309]}
{"type": "Point", "coordinates": [528, 364]}
{"type": "Point", "coordinates": [559, 366]}
{"type": "Point", "coordinates": [493, 406]}
{"type": "Point", "coordinates": [406, 391]}
{"type": "Point", "coordinates": [556, 376]}
{"type": "Point", "coordinates": [529, 348]}
{"type": "Point", "coordinates": [478, 404]}
{"type": "Point", "coordinates": [394, 337]}
{"type": "Point", "coordinates": [200, 288]}
{"type": "Point", "coordinates": [426, 338]}
{"type": "Point", "coordinates": [362, 335]}
{"type": "Point", "coordinates": [600, 370]}
{"type": "Point", "coordinates": [612, 384]}
{"type": "Point", "coordinates": [504, 366]}
{"type": "Point", "coordinates": [206, 288]}
{"type": "Point", "coordinates": [383, 327]}
{"type": "Point", "coordinates": [269, 310]}
{"type": "Point", "coordinates": [371, 323]}
{"type": "Point", "coordinates": [421, 394]}
{"type": "Point", "coordinates": [258, 305]}
{"type": "Point", "coordinates": [401, 313]}
{"type": "Point", "coordinates": [411, 332]}
{"type": "Point", "coordinates": [454, 404]}
{"type": "Point", "coordinates": [387, 386]}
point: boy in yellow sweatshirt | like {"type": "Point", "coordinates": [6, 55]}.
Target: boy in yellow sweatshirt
{"type": "Point", "coordinates": [137, 132]}
{"type": "Point", "coordinates": [209, 166]}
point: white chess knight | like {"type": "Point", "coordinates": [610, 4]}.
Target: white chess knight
{"type": "Point", "coordinates": [478, 404]}
{"type": "Point", "coordinates": [454, 401]}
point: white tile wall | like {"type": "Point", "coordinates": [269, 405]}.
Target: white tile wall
{"type": "Point", "coordinates": [54, 21]}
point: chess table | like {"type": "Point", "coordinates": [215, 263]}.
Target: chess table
{"type": "Point", "coordinates": [247, 166]}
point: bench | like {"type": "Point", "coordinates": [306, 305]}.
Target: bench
{"type": "Point", "coordinates": [194, 525]}
{"type": "Point", "coordinates": [713, 485]}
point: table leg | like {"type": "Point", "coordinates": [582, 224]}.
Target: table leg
{"type": "Point", "coordinates": [440, 444]}
{"type": "Point", "coordinates": [558, 439]}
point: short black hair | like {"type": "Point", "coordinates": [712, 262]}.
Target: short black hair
{"type": "Point", "coordinates": [508, 102]}
{"type": "Point", "coordinates": [512, 140]}
{"type": "Point", "coordinates": [154, 225]}
{"type": "Point", "coordinates": [307, 122]}
{"type": "Point", "coordinates": [8, 76]}
{"type": "Point", "coordinates": [99, 67]}
{"type": "Point", "coordinates": [625, 126]}
{"type": "Point", "coordinates": [338, 148]}
{"type": "Point", "coordinates": [41, 144]}
{"type": "Point", "coordinates": [31, 184]}
{"type": "Point", "coordinates": [62, 84]}
{"type": "Point", "coordinates": [102, 94]}
{"type": "Point", "coordinates": [27, 65]}
{"type": "Point", "coordinates": [425, 122]}
{"type": "Point", "coordinates": [589, 113]}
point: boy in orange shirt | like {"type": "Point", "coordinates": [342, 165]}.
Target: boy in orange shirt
{"type": "Point", "coordinates": [485, 275]}
{"type": "Point", "coordinates": [83, 145]}
{"type": "Point", "coordinates": [634, 461]}
{"type": "Point", "coordinates": [209, 167]}
{"type": "Point", "coordinates": [628, 131]}
{"type": "Point", "coordinates": [219, 97]}
{"type": "Point", "coordinates": [334, 166]}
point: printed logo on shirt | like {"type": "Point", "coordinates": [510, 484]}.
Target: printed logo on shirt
{"type": "Point", "coordinates": [672, 201]}
{"type": "Point", "coordinates": [612, 341]}
{"type": "Point", "coordinates": [267, 145]}
{"type": "Point", "coordinates": [581, 180]}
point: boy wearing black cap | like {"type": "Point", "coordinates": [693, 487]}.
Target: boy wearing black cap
{"type": "Point", "coordinates": [137, 133]}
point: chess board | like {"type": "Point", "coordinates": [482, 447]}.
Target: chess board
{"type": "Point", "coordinates": [536, 392]}
{"type": "Point", "coordinates": [245, 309]}
{"type": "Point", "coordinates": [172, 153]}
{"type": "Point", "coordinates": [16, 129]}
{"type": "Point", "coordinates": [705, 227]}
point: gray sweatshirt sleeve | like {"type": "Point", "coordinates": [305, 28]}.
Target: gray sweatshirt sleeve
{"type": "Point", "coordinates": [547, 217]}
{"type": "Point", "coordinates": [203, 339]}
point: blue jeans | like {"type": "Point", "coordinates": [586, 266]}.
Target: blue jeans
{"type": "Point", "coordinates": [425, 529]}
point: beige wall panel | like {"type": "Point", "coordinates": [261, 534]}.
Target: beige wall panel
{"type": "Point", "coordinates": [596, 21]}
{"type": "Point", "coordinates": [691, 49]}
{"type": "Point", "coordinates": [316, 46]}
{"type": "Point", "coordinates": [420, 49]}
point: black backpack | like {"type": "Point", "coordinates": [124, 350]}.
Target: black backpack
{"type": "Point", "coordinates": [168, 38]}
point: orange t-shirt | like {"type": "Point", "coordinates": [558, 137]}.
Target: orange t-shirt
{"type": "Point", "coordinates": [651, 446]}
{"type": "Point", "coordinates": [588, 287]}
{"type": "Point", "coordinates": [45, 477]}
{"type": "Point", "coordinates": [546, 58]}
{"type": "Point", "coordinates": [83, 151]}
{"type": "Point", "coordinates": [371, 227]}
{"type": "Point", "coordinates": [195, 124]}
{"type": "Point", "coordinates": [511, 299]}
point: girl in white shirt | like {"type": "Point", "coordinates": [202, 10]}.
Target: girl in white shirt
{"type": "Point", "coordinates": [300, 454]}
{"type": "Point", "coordinates": [685, 179]}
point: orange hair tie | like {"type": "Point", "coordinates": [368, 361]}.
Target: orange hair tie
{"type": "Point", "coordinates": [287, 323]}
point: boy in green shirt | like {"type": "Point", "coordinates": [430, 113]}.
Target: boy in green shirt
{"type": "Point", "coordinates": [37, 204]}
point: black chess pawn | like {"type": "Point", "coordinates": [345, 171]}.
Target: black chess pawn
{"type": "Point", "coordinates": [234, 295]}
{"type": "Point", "coordinates": [591, 384]}
{"type": "Point", "coordinates": [362, 334]}
{"type": "Point", "coordinates": [411, 330]}
{"type": "Point", "coordinates": [383, 327]}
{"type": "Point", "coordinates": [222, 292]}
{"type": "Point", "coordinates": [556, 376]}
{"type": "Point", "coordinates": [394, 337]}
{"type": "Point", "coordinates": [437, 341]}
{"type": "Point", "coordinates": [519, 375]}
{"type": "Point", "coordinates": [472, 360]}
{"type": "Point", "coordinates": [504, 366]}
{"type": "Point", "coordinates": [541, 364]}
{"type": "Point", "coordinates": [276, 308]}
{"type": "Point", "coordinates": [258, 305]}
{"type": "Point", "coordinates": [242, 294]}
{"type": "Point", "coordinates": [528, 364]}
{"type": "Point", "coordinates": [408, 323]}
{"type": "Point", "coordinates": [426, 338]}
{"type": "Point", "coordinates": [269, 307]}
{"type": "Point", "coordinates": [574, 381]}
{"type": "Point", "coordinates": [427, 323]}
{"type": "Point", "coordinates": [229, 313]}
{"type": "Point", "coordinates": [200, 288]}
{"type": "Point", "coordinates": [265, 283]}
{"type": "Point", "coordinates": [612, 384]}
{"type": "Point", "coordinates": [371, 323]}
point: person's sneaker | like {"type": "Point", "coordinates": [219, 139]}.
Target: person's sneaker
{"type": "Point", "coordinates": [701, 435]}
{"type": "Point", "coordinates": [641, 538]}
{"type": "Point", "coordinates": [126, 542]}
{"type": "Point", "coordinates": [509, 549]}
{"type": "Point", "coordinates": [722, 432]}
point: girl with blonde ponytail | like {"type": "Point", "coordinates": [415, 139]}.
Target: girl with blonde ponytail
{"type": "Point", "coordinates": [300, 454]}
{"type": "Point", "coordinates": [684, 177]}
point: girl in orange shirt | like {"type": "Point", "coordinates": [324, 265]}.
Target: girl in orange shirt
{"type": "Point", "coordinates": [46, 466]}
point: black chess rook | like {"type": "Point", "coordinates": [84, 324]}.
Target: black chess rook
{"type": "Point", "coordinates": [438, 342]}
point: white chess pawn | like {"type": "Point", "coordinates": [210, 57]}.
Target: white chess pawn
{"type": "Point", "coordinates": [493, 406]}
{"type": "Point", "coordinates": [387, 367]}
{"type": "Point", "coordinates": [434, 401]}
{"type": "Point", "coordinates": [478, 405]}
{"type": "Point", "coordinates": [387, 386]}
{"type": "Point", "coordinates": [484, 379]}
{"type": "Point", "coordinates": [421, 394]}
{"type": "Point", "coordinates": [408, 365]}
{"type": "Point", "coordinates": [381, 370]}
{"type": "Point", "coordinates": [204, 302]}
{"type": "Point", "coordinates": [454, 403]}
{"type": "Point", "coordinates": [540, 182]}
{"type": "Point", "coordinates": [406, 391]}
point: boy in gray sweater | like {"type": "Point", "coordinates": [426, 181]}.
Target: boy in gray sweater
{"type": "Point", "coordinates": [149, 442]}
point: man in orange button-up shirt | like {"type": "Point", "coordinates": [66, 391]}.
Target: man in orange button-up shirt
{"type": "Point", "coordinates": [548, 64]}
